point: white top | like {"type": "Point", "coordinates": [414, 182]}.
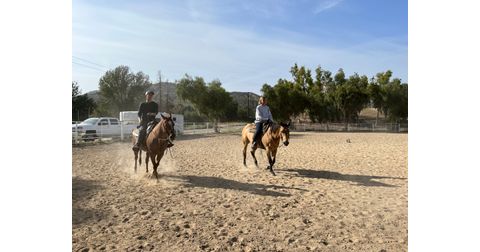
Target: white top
{"type": "Point", "coordinates": [262, 114]}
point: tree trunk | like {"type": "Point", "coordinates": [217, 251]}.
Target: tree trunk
{"type": "Point", "coordinates": [346, 122]}
{"type": "Point", "coordinates": [215, 126]}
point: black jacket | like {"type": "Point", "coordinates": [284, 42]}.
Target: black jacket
{"type": "Point", "coordinates": [147, 107]}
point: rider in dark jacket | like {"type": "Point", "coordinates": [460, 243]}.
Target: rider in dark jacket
{"type": "Point", "coordinates": [146, 113]}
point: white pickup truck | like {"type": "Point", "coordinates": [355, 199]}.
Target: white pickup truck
{"type": "Point", "coordinates": [100, 127]}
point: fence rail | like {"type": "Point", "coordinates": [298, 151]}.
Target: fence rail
{"type": "Point", "coordinates": [351, 127]}
{"type": "Point", "coordinates": [231, 127]}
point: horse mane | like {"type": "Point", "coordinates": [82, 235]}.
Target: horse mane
{"type": "Point", "coordinates": [160, 127]}
{"type": "Point", "coordinates": [275, 130]}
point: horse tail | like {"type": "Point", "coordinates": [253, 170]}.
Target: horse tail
{"type": "Point", "coordinates": [245, 134]}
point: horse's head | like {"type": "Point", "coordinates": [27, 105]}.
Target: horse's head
{"type": "Point", "coordinates": [285, 132]}
{"type": "Point", "coordinates": [169, 125]}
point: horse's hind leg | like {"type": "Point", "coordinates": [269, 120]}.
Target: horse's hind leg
{"type": "Point", "coordinates": [136, 157]}
{"type": "Point", "coordinates": [140, 157]}
{"type": "Point", "coordinates": [245, 153]}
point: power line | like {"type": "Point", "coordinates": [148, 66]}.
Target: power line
{"type": "Point", "coordinates": [88, 61]}
{"type": "Point", "coordinates": [95, 68]}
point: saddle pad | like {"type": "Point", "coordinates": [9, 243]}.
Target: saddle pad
{"type": "Point", "coordinates": [135, 132]}
{"type": "Point", "coordinates": [150, 126]}
{"type": "Point", "coordinates": [264, 129]}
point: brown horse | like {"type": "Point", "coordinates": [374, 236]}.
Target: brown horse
{"type": "Point", "coordinates": [269, 142]}
{"type": "Point", "coordinates": [157, 142]}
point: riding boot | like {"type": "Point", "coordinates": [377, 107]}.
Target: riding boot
{"type": "Point", "coordinates": [256, 135]}
{"type": "Point", "coordinates": [253, 145]}
{"type": "Point", "coordinates": [136, 147]}
{"type": "Point", "coordinates": [140, 139]}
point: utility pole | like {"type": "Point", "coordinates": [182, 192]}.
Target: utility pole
{"type": "Point", "coordinates": [159, 90]}
{"type": "Point", "coordinates": [248, 105]}
{"type": "Point", "coordinates": [167, 105]}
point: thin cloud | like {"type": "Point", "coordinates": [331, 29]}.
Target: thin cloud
{"type": "Point", "coordinates": [325, 5]}
{"type": "Point", "coordinates": [243, 60]}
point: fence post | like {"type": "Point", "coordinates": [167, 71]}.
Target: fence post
{"type": "Point", "coordinates": [194, 128]}
{"type": "Point", "coordinates": [121, 131]}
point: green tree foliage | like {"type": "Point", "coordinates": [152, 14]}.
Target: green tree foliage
{"type": "Point", "coordinates": [327, 98]}
{"type": "Point", "coordinates": [210, 100]}
{"type": "Point", "coordinates": [389, 96]}
{"type": "Point", "coordinates": [396, 101]}
{"type": "Point", "coordinates": [122, 90]}
{"type": "Point", "coordinates": [82, 105]}
{"type": "Point", "coordinates": [321, 98]}
{"type": "Point", "coordinates": [285, 99]}
{"type": "Point", "coordinates": [351, 95]}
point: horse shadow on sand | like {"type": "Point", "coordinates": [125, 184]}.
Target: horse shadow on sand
{"type": "Point", "coordinates": [360, 180]}
{"type": "Point", "coordinates": [82, 191]}
{"type": "Point", "coordinates": [221, 183]}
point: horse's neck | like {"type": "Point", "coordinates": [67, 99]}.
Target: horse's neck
{"type": "Point", "coordinates": [275, 134]}
{"type": "Point", "coordinates": [159, 129]}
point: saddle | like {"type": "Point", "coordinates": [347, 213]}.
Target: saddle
{"type": "Point", "coordinates": [150, 126]}
{"type": "Point", "coordinates": [265, 127]}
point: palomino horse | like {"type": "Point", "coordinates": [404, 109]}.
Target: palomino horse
{"type": "Point", "coordinates": [157, 142]}
{"type": "Point", "coordinates": [270, 141]}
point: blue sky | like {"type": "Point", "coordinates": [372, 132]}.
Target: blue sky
{"type": "Point", "coordinates": [244, 44]}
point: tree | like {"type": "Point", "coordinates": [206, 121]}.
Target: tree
{"type": "Point", "coordinates": [351, 95]}
{"type": "Point", "coordinates": [396, 101]}
{"type": "Point", "coordinates": [285, 99]}
{"type": "Point", "coordinates": [376, 97]}
{"type": "Point", "coordinates": [210, 100]}
{"type": "Point", "coordinates": [321, 102]}
{"type": "Point", "coordinates": [377, 91]}
{"type": "Point", "coordinates": [122, 90]}
{"type": "Point", "coordinates": [389, 96]}
{"type": "Point", "coordinates": [82, 105]}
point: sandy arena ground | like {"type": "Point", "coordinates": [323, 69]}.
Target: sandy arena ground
{"type": "Point", "coordinates": [328, 195]}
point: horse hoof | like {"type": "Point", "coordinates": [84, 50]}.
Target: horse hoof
{"type": "Point", "coordinates": [268, 168]}
{"type": "Point", "coordinates": [273, 173]}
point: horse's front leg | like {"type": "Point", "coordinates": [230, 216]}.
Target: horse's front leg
{"type": "Point", "coordinates": [152, 158]}
{"type": "Point", "coordinates": [245, 154]}
{"type": "Point", "coordinates": [157, 163]}
{"type": "Point", "coordinates": [270, 161]}
{"type": "Point", "coordinates": [274, 158]}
